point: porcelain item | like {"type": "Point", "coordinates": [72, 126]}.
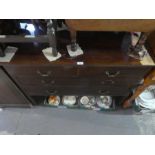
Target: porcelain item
{"type": "Point", "coordinates": [87, 101]}
{"type": "Point", "coordinates": [53, 100]}
{"type": "Point", "coordinates": [69, 100]}
{"type": "Point", "coordinates": [104, 102]}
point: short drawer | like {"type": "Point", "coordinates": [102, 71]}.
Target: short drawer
{"type": "Point", "coordinates": [49, 81]}
{"type": "Point", "coordinates": [41, 71]}
{"type": "Point", "coordinates": [113, 72]}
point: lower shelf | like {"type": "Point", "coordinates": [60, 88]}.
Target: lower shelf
{"type": "Point", "coordinates": [116, 103]}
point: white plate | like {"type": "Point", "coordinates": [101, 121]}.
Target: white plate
{"type": "Point", "coordinates": [84, 100]}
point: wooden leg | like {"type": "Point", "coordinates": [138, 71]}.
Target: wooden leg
{"type": "Point", "coordinates": [149, 80]}
{"type": "Point", "coordinates": [73, 40]}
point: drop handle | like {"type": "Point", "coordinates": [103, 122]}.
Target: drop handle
{"type": "Point", "coordinates": [44, 74]}
{"type": "Point", "coordinates": [112, 75]}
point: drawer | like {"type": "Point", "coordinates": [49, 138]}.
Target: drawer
{"type": "Point", "coordinates": [47, 81]}
{"type": "Point", "coordinates": [113, 72]}
{"type": "Point", "coordinates": [41, 71]}
{"type": "Point", "coordinates": [81, 72]}
{"type": "Point", "coordinates": [127, 82]}
{"type": "Point", "coordinates": [45, 91]}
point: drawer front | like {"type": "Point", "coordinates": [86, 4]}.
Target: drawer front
{"type": "Point", "coordinates": [42, 71]}
{"type": "Point", "coordinates": [44, 91]}
{"type": "Point", "coordinates": [47, 81]}
{"type": "Point", "coordinates": [113, 72]}
{"type": "Point", "coordinates": [89, 76]}
{"type": "Point", "coordinates": [76, 82]}
{"type": "Point", "coordinates": [81, 72]}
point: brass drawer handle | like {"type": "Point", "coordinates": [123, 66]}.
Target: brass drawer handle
{"type": "Point", "coordinates": [51, 92]}
{"type": "Point", "coordinates": [112, 75]}
{"type": "Point", "coordinates": [44, 74]}
{"type": "Point", "coordinates": [47, 82]}
{"type": "Point", "coordinates": [103, 92]}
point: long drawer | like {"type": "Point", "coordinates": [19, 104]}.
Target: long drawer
{"type": "Point", "coordinates": [44, 91]}
{"type": "Point", "coordinates": [117, 75]}
{"type": "Point", "coordinates": [87, 82]}
{"type": "Point", "coordinates": [85, 72]}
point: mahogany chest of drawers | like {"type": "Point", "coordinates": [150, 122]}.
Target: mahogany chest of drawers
{"type": "Point", "coordinates": [105, 69]}
{"type": "Point", "coordinates": [59, 80]}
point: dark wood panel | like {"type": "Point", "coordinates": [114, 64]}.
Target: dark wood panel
{"type": "Point", "coordinates": [10, 95]}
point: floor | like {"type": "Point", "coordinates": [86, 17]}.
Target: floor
{"type": "Point", "coordinates": [45, 120]}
